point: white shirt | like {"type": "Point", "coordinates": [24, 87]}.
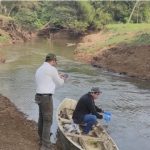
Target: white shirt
{"type": "Point", "coordinates": [47, 78]}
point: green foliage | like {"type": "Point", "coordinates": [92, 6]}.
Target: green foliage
{"type": "Point", "coordinates": [4, 37]}
{"type": "Point", "coordinates": [78, 16]}
{"type": "Point", "coordinates": [100, 19]}
{"type": "Point", "coordinates": [78, 26]}
{"type": "Point", "coordinates": [62, 16]}
{"type": "Point", "coordinates": [85, 11]}
{"type": "Point", "coordinates": [142, 39]}
{"type": "Point", "coordinates": [146, 13]}
{"type": "Point", "coordinates": [124, 28]}
{"type": "Point", "coordinates": [133, 34]}
{"type": "Point", "coordinates": [29, 19]}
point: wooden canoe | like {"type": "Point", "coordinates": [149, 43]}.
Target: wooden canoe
{"type": "Point", "coordinates": [97, 140]}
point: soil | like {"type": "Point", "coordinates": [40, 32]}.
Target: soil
{"type": "Point", "coordinates": [16, 132]}
{"type": "Point", "coordinates": [133, 61]}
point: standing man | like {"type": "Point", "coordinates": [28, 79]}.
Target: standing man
{"type": "Point", "coordinates": [86, 112]}
{"type": "Point", "coordinates": [47, 78]}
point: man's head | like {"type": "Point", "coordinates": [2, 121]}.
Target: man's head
{"type": "Point", "coordinates": [95, 92]}
{"type": "Point", "coordinates": [51, 58]}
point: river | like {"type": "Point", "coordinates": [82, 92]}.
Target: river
{"type": "Point", "coordinates": [126, 98]}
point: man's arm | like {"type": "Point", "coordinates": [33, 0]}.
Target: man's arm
{"type": "Point", "coordinates": [93, 110]}
{"type": "Point", "coordinates": [57, 78]}
{"type": "Point", "coordinates": [99, 109]}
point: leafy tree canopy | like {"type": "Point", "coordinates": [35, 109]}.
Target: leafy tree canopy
{"type": "Point", "coordinates": [78, 16]}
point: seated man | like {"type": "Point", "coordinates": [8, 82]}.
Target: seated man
{"type": "Point", "coordinates": [86, 112]}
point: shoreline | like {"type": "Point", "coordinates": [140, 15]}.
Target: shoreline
{"type": "Point", "coordinates": [17, 132]}
{"type": "Point", "coordinates": [12, 42]}
{"type": "Point", "coordinates": [133, 61]}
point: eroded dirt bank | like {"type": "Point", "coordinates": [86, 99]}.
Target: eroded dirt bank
{"type": "Point", "coordinates": [11, 33]}
{"type": "Point", "coordinates": [133, 61]}
{"type": "Point", "coordinates": [17, 133]}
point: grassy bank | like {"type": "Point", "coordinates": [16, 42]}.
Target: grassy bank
{"type": "Point", "coordinates": [5, 18]}
{"type": "Point", "coordinates": [12, 32]}
{"type": "Point", "coordinates": [4, 36]}
{"type": "Point", "coordinates": [132, 34]}
{"type": "Point", "coordinates": [117, 34]}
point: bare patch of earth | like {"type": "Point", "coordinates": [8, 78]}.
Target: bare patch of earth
{"type": "Point", "coordinates": [16, 132]}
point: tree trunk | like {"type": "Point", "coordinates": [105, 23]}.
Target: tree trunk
{"type": "Point", "coordinates": [133, 11]}
{"type": "Point", "coordinates": [137, 19]}
{"type": "Point", "coordinates": [11, 10]}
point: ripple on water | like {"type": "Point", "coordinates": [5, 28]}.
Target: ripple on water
{"type": "Point", "coordinates": [127, 98]}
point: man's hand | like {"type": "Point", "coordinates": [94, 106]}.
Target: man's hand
{"type": "Point", "coordinates": [63, 76]}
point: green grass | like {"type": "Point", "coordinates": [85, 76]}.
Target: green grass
{"type": "Point", "coordinates": [142, 39]}
{"type": "Point", "coordinates": [4, 38]}
{"type": "Point", "coordinates": [5, 18]}
{"type": "Point", "coordinates": [132, 34]}
{"type": "Point", "coordinates": [120, 34]}
{"type": "Point", "coordinates": [123, 28]}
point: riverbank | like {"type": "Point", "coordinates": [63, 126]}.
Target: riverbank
{"type": "Point", "coordinates": [12, 33]}
{"type": "Point", "coordinates": [17, 133]}
{"type": "Point", "coordinates": [123, 49]}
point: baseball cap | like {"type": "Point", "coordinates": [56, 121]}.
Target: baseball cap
{"type": "Point", "coordinates": [95, 90]}
{"type": "Point", "coordinates": [50, 56]}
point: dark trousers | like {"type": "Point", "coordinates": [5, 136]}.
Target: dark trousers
{"type": "Point", "coordinates": [45, 104]}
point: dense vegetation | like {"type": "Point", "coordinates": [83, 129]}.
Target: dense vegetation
{"type": "Point", "coordinates": [76, 16]}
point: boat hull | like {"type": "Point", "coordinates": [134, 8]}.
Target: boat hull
{"type": "Point", "coordinates": [65, 143]}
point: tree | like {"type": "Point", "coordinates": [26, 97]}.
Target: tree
{"type": "Point", "coordinates": [136, 3]}
{"type": "Point", "coordinates": [27, 18]}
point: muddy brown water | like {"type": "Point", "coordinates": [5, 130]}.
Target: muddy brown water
{"type": "Point", "coordinates": [126, 98]}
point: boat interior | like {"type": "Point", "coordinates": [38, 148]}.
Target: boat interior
{"type": "Point", "coordinates": [97, 139]}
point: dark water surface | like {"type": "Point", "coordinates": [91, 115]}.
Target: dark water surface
{"type": "Point", "coordinates": [128, 99]}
